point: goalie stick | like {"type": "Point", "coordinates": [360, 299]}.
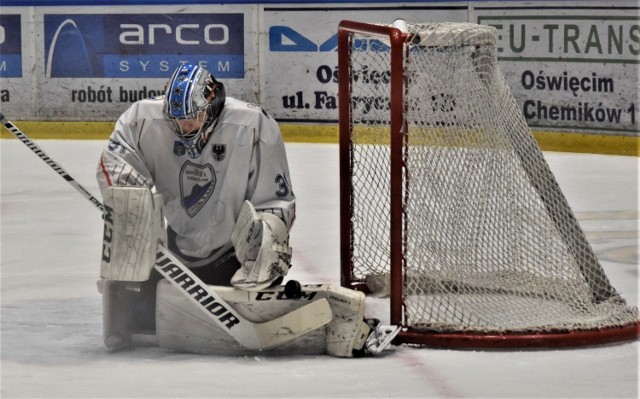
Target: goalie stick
{"type": "Point", "coordinates": [259, 336]}
{"type": "Point", "coordinates": [53, 164]}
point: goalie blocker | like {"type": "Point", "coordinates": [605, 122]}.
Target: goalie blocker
{"type": "Point", "coordinates": [320, 319]}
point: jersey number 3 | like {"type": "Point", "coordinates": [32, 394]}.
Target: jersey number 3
{"type": "Point", "coordinates": [283, 186]}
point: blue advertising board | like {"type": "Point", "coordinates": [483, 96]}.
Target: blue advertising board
{"type": "Point", "coordinates": [10, 46]}
{"type": "Point", "coordinates": [142, 45]}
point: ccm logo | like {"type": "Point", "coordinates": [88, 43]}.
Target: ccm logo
{"type": "Point", "coordinates": [107, 235]}
{"type": "Point", "coordinates": [135, 34]}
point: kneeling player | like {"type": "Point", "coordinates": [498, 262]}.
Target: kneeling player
{"type": "Point", "coordinates": [222, 205]}
{"type": "Point", "coordinates": [255, 315]}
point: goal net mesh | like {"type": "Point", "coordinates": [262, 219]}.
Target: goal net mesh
{"type": "Point", "coordinates": [490, 243]}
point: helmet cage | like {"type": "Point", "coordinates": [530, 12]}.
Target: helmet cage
{"type": "Point", "coordinates": [186, 98]}
{"type": "Point", "coordinates": [198, 118]}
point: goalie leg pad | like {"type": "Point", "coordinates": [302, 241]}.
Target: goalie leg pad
{"type": "Point", "coordinates": [128, 311]}
{"type": "Point", "coordinates": [133, 225]}
{"type": "Point", "coordinates": [184, 327]}
{"type": "Point", "coordinates": [347, 330]}
{"type": "Point", "coordinates": [117, 315]}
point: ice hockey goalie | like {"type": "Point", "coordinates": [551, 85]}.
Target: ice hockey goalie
{"type": "Point", "coordinates": [183, 314]}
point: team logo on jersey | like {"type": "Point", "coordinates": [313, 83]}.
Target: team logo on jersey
{"type": "Point", "coordinates": [179, 149]}
{"type": "Point", "coordinates": [219, 151]}
{"type": "Point", "coordinates": [197, 183]}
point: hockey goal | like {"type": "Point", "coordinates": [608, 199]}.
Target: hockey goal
{"type": "Point", "coordinates": [448, 203]}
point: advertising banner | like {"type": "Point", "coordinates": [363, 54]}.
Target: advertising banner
{"type": "Point", "coordinates": [142, 45]}
{"type": "Point", "coordinates": [570, 69]}
{"type": "Point", "coordinates": [15, 63]}
{"type": "Point", "coordinates": [92, 62]}
{"type": "Point", "coordinates": [304, 44]}
{"type": "Point", "coordinates": [10, 46]}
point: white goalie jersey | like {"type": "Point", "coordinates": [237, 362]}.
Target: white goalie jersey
{"type": "Point", "coordinates": [244, 159]}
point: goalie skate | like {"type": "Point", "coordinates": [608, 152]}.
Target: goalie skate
{"type": "Point", "coordinates": [379, 338]}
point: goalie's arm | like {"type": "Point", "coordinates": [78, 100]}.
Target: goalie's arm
{"type": "Point", "coordinates": [261, 233]}
{"type": "Point", "coordinates": [269, 187]}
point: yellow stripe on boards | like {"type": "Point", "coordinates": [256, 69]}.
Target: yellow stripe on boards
{"type": "Point", "coordinates": [328, 133]}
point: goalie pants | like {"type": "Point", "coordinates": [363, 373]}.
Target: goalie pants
{"type": "Point", "coordinates": [216, 272]}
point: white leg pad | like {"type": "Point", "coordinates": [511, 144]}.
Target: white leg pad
{"type": "Point", "coordinates": [347, 330]}
{"type": "Point", "coordinates": [184, 327]}
{"type": "Point", "coordinates": [117, 314]}
{"type": "Point", "coordinates": [133, 225]}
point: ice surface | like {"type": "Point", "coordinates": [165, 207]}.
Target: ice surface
{"type": "Point", "coordinates": [51, 333]}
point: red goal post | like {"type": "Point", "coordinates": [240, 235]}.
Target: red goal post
{"type": "Point", "coordinates": [420, 112]}
{"type": "Point", "coordinates": [397, 39]}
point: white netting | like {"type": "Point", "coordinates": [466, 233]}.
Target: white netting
{"type": "Point", "coordinates": [490, 243]}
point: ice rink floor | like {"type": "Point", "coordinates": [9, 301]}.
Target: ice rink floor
{"type": "Point", "coordinates": [51, 335]}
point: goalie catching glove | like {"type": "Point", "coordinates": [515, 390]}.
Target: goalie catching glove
{"type": "Point", "coordinates": [261, 242]}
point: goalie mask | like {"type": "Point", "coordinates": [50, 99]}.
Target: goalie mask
{"type": "Point", "coordinates": [193, 101]}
